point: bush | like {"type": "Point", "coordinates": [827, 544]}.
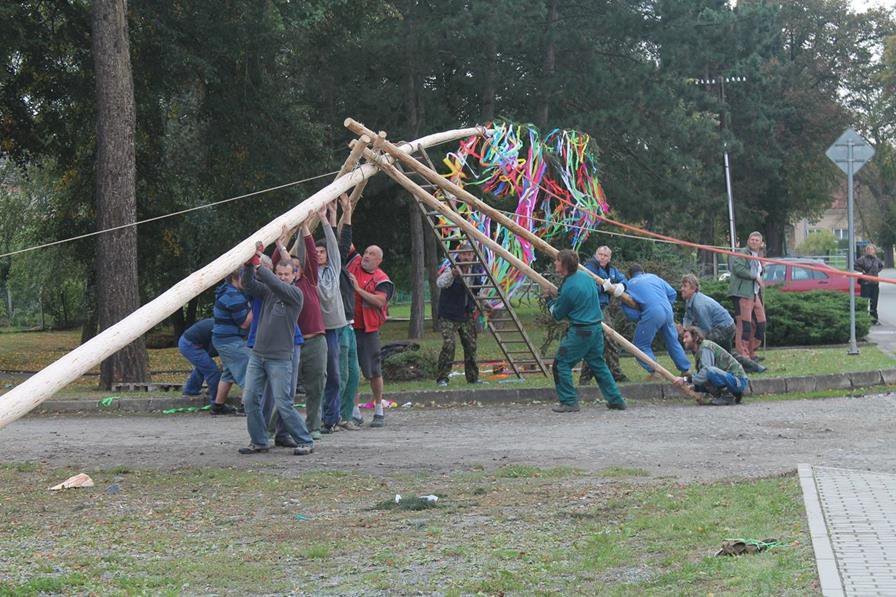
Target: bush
{"type": "Point", "coordinates": [410, 365]}
{"type": "Point", "coordinates": [820, 242]}
{"type": "Point", "coordinates": [799, 318]}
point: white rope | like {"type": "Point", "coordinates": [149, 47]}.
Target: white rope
{"type": "Point", "coordinates": [162, 217]}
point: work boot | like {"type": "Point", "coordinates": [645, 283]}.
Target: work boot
{"type": "Point", "coordinates": [378, 421]}
{"type": "Point", "coordinates": [303, 450]}
{"type": "Point", "coordinates": [221, 409]}
{"type": "Point", "coordinates": [723, 400]}
{"type": "Point", "coordinates": [616, 405]}
{"type": "Point", "coordinates": [285, 442]}
{"type": "Point", "coordinates": [566, 408]}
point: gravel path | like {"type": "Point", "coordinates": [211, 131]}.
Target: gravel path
{"type": "Point", "coordinates": [680, 441]}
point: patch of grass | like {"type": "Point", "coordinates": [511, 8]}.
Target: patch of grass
{"type": "Point", "coordinates": [42, 585]}
{"type": "Point", "coordinates": [536, 531]}
{"type": "Point", "coordinates": [615, 472]}
{"type": "Point", "coordinates": [525, 471]}
{"type": "Point", "coordinates": [412, 503]}
{"type": "Point", "coordinates": [855, 393]}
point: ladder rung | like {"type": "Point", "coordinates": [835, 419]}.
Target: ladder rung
{"type": "Point", "coordinates": [518, 352]}
{"type": "Point", "coordinates": [472, 276]}
{"type": "Point", "coordinates": [512, 342]}
{"type": "Point", "coordinates": [469, 263]}
{"type": "Point", "coordinates": [444, 225]}
{"type": "Point", "coordinates": [450, 238]}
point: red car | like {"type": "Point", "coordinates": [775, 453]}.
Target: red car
{"type": "Point", "coordinates": [793, 278]}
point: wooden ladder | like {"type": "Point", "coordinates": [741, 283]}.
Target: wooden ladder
{"type": "Point", "coordinates": [518, 350]}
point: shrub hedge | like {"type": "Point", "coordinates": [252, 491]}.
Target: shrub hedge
{"type": "Point", "coordinates": [799, 318]}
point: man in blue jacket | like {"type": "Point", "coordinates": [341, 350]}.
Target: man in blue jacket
{"type": "Point", "coordinates": [196, 346]}
{"type": "Point", "coordinates": [712, 319]}
{"type": "Point", "coordinates": [577, 300]}
{"type": "Point", "coordinates": [654, 314]}
{"type": "Point", "coordinates": [232, 317]}
{"type": "Point", "coordinates": [601, 266]}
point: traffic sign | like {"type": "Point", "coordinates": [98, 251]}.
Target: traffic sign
{"type": "Point", "coordinates": [839, 152]}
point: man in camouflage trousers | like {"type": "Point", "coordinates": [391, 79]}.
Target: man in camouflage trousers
{"type": "Point", "coordinates": [456, 306]}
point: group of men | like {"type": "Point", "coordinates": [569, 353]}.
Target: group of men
{"type": "Point", "coordinates": [312, 318]}
{"type": "Point", "coordinates": [724, 347]}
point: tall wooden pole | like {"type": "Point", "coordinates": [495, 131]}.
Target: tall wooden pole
{"type": "Point", "coordinates": [484, 239]}
{"type": "Point", "coordinates": [26, 396]}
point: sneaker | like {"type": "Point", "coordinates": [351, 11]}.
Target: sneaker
{"type": "Point", "coordinates": [348, 425]}
{"type": "Point", "coordinates": [315, 435]}
{"type": "Point", "coordinates": [616, 405]}
{"type": "Point", "coordinates": [191, 397]}
{"type": "Point", "coordinates": [303, 450]}
{"type": "Point", "coordinates": [566, 408]}
{"type": "Point", "coordinates": [761, 369]}
{"type": "Point", "coordinates": [222, 409]}
{"type": "Point", "coordinates": [737, 397]}
{"type": "Point", "coordinates": [285, 442]}
{"type": "Point", "coordinates": [378, 421]}
{"type": "Point", "coordinates": [359, 421]}
{"type": "Point", "coordinates": [723, 400]}
{"type": "Point", "coordinates": [253, 449]}
{"type": "Point", "coordinates": [442, 383]}
{"type": "Point", "coordinates": [329, 429]}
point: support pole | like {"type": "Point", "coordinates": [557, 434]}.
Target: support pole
{"type": "Point", "coordinates": [461, 194]}
{"type": "Point", "coordinates": [850, 168]}
{"type": "Point", "coordinates": [29, 394]}
{"type": "Point", "coordinates": [472, 231]}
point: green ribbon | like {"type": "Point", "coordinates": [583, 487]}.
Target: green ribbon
{"type": "Point", "coordinates": [107, 401]}
{"type": "Point", "coordinates": [185, 409]}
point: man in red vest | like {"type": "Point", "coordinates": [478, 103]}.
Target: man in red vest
{"type": "Point", "coordinates": [373, 289]}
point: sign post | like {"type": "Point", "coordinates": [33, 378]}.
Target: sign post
{"type": "Point", "coordinates": [850, 152]}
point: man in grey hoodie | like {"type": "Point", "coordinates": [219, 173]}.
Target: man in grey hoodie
{"type": "Point", "coordinates": [329, 263]}
{"type": "Point", "coordinates": [272, 355]}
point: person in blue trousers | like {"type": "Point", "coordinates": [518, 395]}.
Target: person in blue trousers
{"type": "Point", "coordinates": [718, 373]}
{"type": "Point", "coordinates": [654, 315]}
{"type": "Point", "coordinates": [272, 356]}
{"type": "Point", "coordinates": [196, 346]}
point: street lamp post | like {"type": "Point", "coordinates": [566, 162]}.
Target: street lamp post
{"type": "Point", "coordinates": [721, 80]}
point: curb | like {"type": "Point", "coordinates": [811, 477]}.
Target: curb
{"type": "Point", "coordinates": [635, 391]}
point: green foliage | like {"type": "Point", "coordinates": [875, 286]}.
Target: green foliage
{"type": "Point", "coordinates": [820, 242]}
{"type": "Point", "coordinates": [410, 365]}
{"type": "Point", "coordinates": [801, 318]}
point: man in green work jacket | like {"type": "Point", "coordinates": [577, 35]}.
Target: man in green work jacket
{"type": "Point", "coordinates": [579, 301]}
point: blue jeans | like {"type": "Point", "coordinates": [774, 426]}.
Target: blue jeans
{"type": "Point", "coordinates": [204, 368]}
{"type": "Point", "coordinates": [349, 371]}
{"type": "Point", "coordinates": [235, 357]}
{"type": "Point", "coordinates": [723, 379]}
{"type": "Point", "coordinates": [332, 403]}
{"type": "Point", "coordinates": [274, 422]}
{"type": "Point", "coordinates": [646, 331]}
{"type": "Point", "coordinates": [277, 373]}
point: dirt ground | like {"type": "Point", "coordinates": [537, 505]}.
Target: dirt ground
{"type": "Point", "coordinates": [675, 441]}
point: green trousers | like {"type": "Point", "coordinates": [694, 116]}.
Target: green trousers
{"type": "Point", "coordinates": [583, 342]}
{"type": "Point", "coordinates": [313, 375]}
{"type": "Point", "coordinates": [349, 371]}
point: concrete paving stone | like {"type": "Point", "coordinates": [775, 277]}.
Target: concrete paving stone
{"type": "Point", "coordinates": [645, 391]}
{"type": "Point", "coordinates": [888, 376]}
{"type": "Point", "coordinates": [833, 381]}
{"type": "Point", "coordinates": [801, 384]}
{"type": "Point", "coordinates": [768, 386]}
{"type": "Point", "coordinates": [864, 379]}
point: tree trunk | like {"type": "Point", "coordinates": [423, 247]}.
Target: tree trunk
{"type": "Point", "coordinates": [116, 203]}
{"type": "Point", "coordinates": [550, 60]}
{"type": "Point", "coordinates": [415, 116]}
{"type": "Point", "coordinates": [774, 239]}
{"type": "Point", "coordinates": [418, 277]}
{"type": "Point", "coordinates": [488, 88]}
{"type": "Point", "coordinates": [191, 312]}
{"type": "Point", "coordinates": [888, 255]}
{"type": "Point", "coordinates": [432, 272]}
{"type": "Point", "coordinates": [90, 310]}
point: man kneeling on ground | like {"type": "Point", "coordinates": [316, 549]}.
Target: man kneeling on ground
{"type": "Point", "coordinates": [271, 361]}
{"type": "Point", "coordinates": [717, 372]}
